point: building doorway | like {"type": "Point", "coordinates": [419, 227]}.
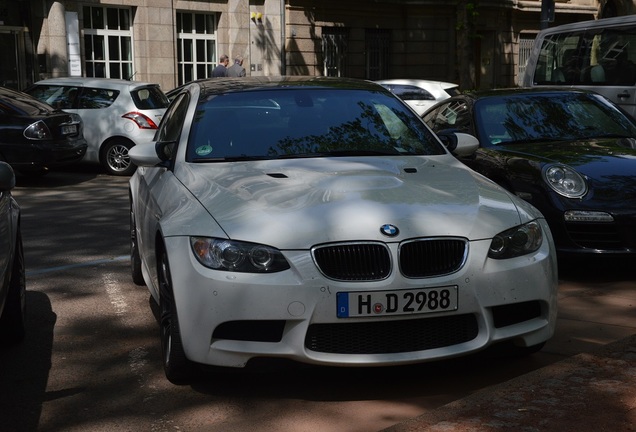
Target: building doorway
{"type": "Point", "coordinates": [12, 71]}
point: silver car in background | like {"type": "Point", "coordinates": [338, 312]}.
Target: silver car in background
{"type": "Point", "coordinates": [117, 114]}
{"type": "Point", "coordinates": [420, 94]}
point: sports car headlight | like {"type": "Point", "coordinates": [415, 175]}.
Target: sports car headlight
{"type": "Point", "coordinates": [236, 256]}
{"type": "Point", "coordinates": [517, 241]}
{"type": "Point", "coordinates": [565, 181]}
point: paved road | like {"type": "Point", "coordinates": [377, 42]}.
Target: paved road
{"type": "Point", "coordinates": [91, 359]}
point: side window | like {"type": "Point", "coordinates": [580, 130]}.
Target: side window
{"type": "Point", "coordinates": [172, 123]}
{"type": "Point", "coordinates": [453, 115]}
{"type": "Point", "coordinates": [94, 98]}
{"type": "Point", "coordinates": [61, 97]}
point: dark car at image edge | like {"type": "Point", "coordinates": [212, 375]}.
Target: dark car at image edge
{"type": "Point", "coordinates": [34, 136]}
{"type": "Point", "coordinates": [12, 270]}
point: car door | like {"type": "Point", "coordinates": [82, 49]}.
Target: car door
{"type": "Point", "coordinates": [6, 244]}
{"type": "Point", "coordinates": [152, 182]}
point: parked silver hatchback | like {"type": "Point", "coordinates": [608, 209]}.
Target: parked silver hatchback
{"type": "Point", "coordinates": [117, 114]}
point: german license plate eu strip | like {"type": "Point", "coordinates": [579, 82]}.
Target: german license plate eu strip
{"type": "Point", "coordinates": [401, 302]}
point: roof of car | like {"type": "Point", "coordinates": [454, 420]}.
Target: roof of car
{"type": "Point", "coordinates": [96, 82]}
{"type": "Point", "coordinates": [227, 85]}
{"type": "Point", "coordinates": [526, 90]}
{"type": "Point", "coordinates": [416, 82]}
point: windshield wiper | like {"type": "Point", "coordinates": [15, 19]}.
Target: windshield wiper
{"type": "Point", "coordinates": [340, 153]}
{"type": "Point", "coordinates": [229, 159]}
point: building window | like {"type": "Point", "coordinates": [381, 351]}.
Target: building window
{"type": "Point", "coordinates": [334, 49]}
{"type": "Point", "coordinates": [196, 46]}
{"type": "Point", "coordinates": [525, 48]}
{"type": "Point", "coordinates": [378, 43]}
{"type": "Point", "coordinates": [108, 42]}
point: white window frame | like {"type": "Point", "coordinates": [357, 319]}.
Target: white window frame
{"type": "Point", "coordinates": [194, 67]}
{"type": "Point", "coordinates": [125, 67]}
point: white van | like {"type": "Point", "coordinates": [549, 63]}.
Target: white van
{"type": "Point", "coordinates": [599, 55]}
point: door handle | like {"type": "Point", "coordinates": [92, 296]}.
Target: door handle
{"type": "Point", "coordinates": [623, 95]}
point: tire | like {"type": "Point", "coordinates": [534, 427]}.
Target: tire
{"type": "Point", "coordinates": [178, 369]}
{"type": "Point", "coordinates": [114, 158]}
{"type": "Point", "coordinates": [13, 319]}
{"type": "Point", "coordinates": [135, 259]}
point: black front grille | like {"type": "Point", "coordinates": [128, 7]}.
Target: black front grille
{"type": "Point", "coordinates": [432, 257]}
{"type": "Point", "coordinates": [369, 261]}
{"type": "Point", "coordinates": [386, 337]}
{"type": "Point", "coordinates": [354, 261]}
{"type": "Point", "coordinates": [602, 236]}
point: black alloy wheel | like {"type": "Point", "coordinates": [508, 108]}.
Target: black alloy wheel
{"type": "Point", "coordinates": [177, 367]}
{"type": "Point", "coordinates": [135, 258]}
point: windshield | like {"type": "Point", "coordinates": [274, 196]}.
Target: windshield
{"type": "Point", "coordinates": [549, 117]}
{"type": "Point", "coordinates": [306, 122]}
{"type": "Point", "coordinates": [17, 103]}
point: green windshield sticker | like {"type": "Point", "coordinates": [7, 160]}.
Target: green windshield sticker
{"type": "Point", "coordinates": [204, 150]}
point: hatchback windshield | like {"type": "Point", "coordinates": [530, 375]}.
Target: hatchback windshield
{"type": "Point", "coordinates": [306, 123]}
{"type": "Point", "coordinates": [545, 117]}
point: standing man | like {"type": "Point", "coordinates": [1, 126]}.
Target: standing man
{"type": "Point", "coordinates": [237, 69]}
{"type": "Point", "coordinates": [221, 69]}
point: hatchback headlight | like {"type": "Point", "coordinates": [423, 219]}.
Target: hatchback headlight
{"type": "Point", "coordinates": [565, 181]}
{"type": "Point", "coordinates": [517, 241]}
{"type": "Point", "coordinates": [236, 256]}
{"type": "Point", "coordinates": [38, 131]}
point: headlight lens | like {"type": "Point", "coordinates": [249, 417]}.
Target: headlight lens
{"type": "Point", "coordinates": [236, 256]}
{"type": "Point", "coordinates": [565, 181]}
{"type": "Point", "coordinates": [517, 241]}
{"type": "Point", "coordinates": [38, 131]}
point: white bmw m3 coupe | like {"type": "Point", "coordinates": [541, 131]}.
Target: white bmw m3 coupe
{"type": "Point", "coordinates": [320, 220]}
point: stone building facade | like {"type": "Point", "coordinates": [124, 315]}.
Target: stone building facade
{"type": "Point", "coordinates": [174, 41]}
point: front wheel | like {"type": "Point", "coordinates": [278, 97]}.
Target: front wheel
{"type": "Point", "coordinates": [13, 319]}
{"type": "Point", "coordinates": [115, 159]}
{"type": "Point", "coordinates": [176, 366]}
{"type": "Point", "coordinates": [135, 258]}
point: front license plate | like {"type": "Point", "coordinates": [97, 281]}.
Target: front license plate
{"type": "Point", "coordinates": [69, 129]}
{"type": "Point", "coordinates": [403, 302]}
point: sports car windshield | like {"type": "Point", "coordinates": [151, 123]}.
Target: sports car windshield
{"type": "Point", "coordinates": [548, 118]}
{"type": "Point", "coordinates": [307, 122]}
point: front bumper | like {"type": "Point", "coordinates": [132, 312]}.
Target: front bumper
{"type": "Point", "coordinates": [228, 318]}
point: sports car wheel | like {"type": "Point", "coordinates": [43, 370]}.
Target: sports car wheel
{"type": "Point", "coordinates": [135, 259]}
{"type": "Point", "coordinates": [177, 367]}
{"type": "Point", "coordinates": [13, 319]}
{"type": "Point", "coordinates": [114, 158]}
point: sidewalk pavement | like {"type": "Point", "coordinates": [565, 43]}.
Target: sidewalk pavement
{"type": "Point", "coordinates": [593, 391]}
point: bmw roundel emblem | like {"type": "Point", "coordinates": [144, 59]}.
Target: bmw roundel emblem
{"type": "Point", "coordinates": [389, 230]}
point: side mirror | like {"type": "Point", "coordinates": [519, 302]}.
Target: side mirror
{"type": "Point", "coordinates": [7, 177]}
{"type": "Point", "coordinates": [458, 143]}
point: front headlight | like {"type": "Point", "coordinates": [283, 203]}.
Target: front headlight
{"type": "Point", "coordinates": [517, 241]}
{"type": "Point", "coordinates": [565, 181]}
{"type": "Point", "coordinates": [236, 256]}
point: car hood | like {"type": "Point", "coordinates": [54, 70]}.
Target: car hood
{"type": "Point", "coordinates": [295, 204]}
{"type": "Point", "coordinates": [589, 157]}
